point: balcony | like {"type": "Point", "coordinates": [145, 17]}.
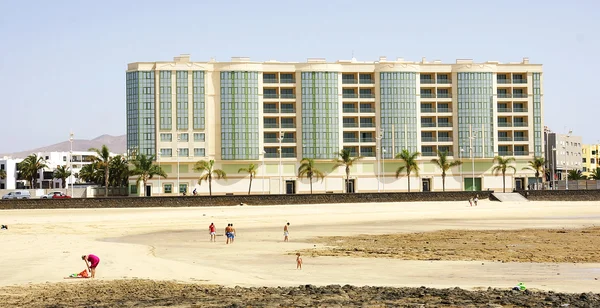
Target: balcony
{"type": "Point", "coordinates": [349, 110]}
{"type": "Point", "coordinates": [445, 139]}
{"type": "Point", "coordinates": [504, 139]}
{"type": "Point", "coordinates": [270, 80]}
{"type": "Point", "coordinates": [288, 125]}
{"type": "Point", "coordinates": [271, 95]}
{"type": "Point", "coordinates": [504, 110]}
{"type": "Point", "coordinates": [521, 153]}
{"type": "Point", "coordinates": [427, 81]}
{"type": "Point", "coordinates": [505, 153]}
{"type": "Point", "coordinates": [288, 155]}
{"type": "Point", "coordinates": [271, 155]}
{"type": "Point", "coordinates": [444, 95]}
{"type": "Point", "coordinates": [349, 81]}
{"type": "Point", "coordinates": [444, 81]}
{"type": "Point", "coordinates": [352, 139]}
{"type": "Point", "coordinates": [270, 110]}
{"type": "Point", "coordinates": [519, 81]}
{"type": "Point", "coordinates": [524, 138]}
{"type": "Point", "coordinates": [520, 95]}
{"type": "Point", "coordinates": [427, 95]}
{"type": "Point", "coordinates": [288, 95]}
{"type": "Point", "coordinates": [442, 110]}
{"type": "Point", "coordinates": [287, 80]}
{"type": "Point", "coordinates": [354, 124]}
{"type": "Point", "coordinates": [367, 154]}
{"type": "Point", "coordinates": [367, 139]}
{"type": "Point", "coordinates": [288, 140]}
{"type": "Point", "coordinates": [520, 110]}
{"type": "Point", "coordinates": [428, 139]}
{"type": "Point", "coordinates": [367, 81]}
{"type": "Point", "coordinates": [271, 125]}
{"type": "Point", "coordinates": [367, 110]}
{"type": "Point", "coordinates": [504, 95]}
{"type": "Point", "coordinates": [367, 95]}
{"type": "Point", "coordinates": [427, 124]}
{"type": "Point", "coordinates": [444, 124]}
{"type": "Point", "coordinates": [520, 124]}
{"type": "Point", "coordinates": [367, 124]}
{"type": "Point", "coordinates": [288, 110]}
{"type": "Point", "coordinates": [428, 154]}
{"type": "Point", "coordinates": [503, 81]}
{"type": "Point", "coordinates": [350, 95]}
{"type": "Point", "coordinates": [271, 140]}
{"type": "Point", "coordinates": [427, 110]}
{"type": "Point", "coordinates": [504, 124]}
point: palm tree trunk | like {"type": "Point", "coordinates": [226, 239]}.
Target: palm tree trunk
{"type": "Point", "coordinates": [106, 181]}
{"type": "Point", "coordinates": [347, 178]}
{"type": "Point", "coordinates": [408, 182]}
{"type": "Point", "coordinates": [64, 182]}
{"type": "Point", "coordinates": [310, 179]}
{"type": "Point", "coordinates": [443, 182]}
{"type": "Point", "coordinates": [209, 186]}
{"type": "Point", "coordinates": [503, 182]}
{"type": "Point", "coordinates": [250, 186]}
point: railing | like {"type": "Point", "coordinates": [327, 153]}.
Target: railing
{"type": "Point", "coordinates": [427, 81]}
{"type": "Point", "coordinates": [444, 139]}
{"type": "Point", "coordinates": [520, 95]}
{"type": "Point", "coordinates": [288, 155]}
{"type": "Point", "coordinates": [428, 139]}
{"type": "Point", "coordinates": [350, 110]}
{"type": "Point", "coordinates": [288, 125]}
{"type": "Point", "coordinates": [351, 124]}
{"type": "Point", "coordinates": [367, 81]}
{"type": "Point", "coordinates": [444, 95]}
{"type": "Point", "coordinates": [288, 140]}
{"type": "Point", "coordinates": [271, 155]}
{"type": "Point", "coordinates": [367, 124]}
{"type": "Point", "coordinates": [271, 140]}
{"type": "Point", "coordinates": [288, 110]}
{"type": "Point", "coordinates": [504, 95]}
{"type": "Point", "coordinates": [288, 95]}
{"type": "Point", "coordinates": [270, 80]}
{"type": "Point", "coordinates": [444, 124]}
{"type": "Point", "coordinates": [428, 154]}
{"type": "Point", "coordinates": [350, 95]}
{"type": "Point", "coordinates": [521, 138]}
{"type": "Point", "coordinates": [520, 109]}
{"type": "Point", "coordinates": [286, 80]}
{"type": "Point", "coordinates": [353, 139]}
{"type": "Point", "coordinates": [503, 81]}
{"type": "Point", "coordinates": [271, 125]}
{"type": "Point", "coordinates": [520, 124]}
{"type": "Point", "coordinates": [505, 153]}
{"type": "Point", "coordinates": [367, 95]}
{"type": "Point", "coordinates": [504, 124]}
{"type": "Point", "coordinates": [367, 110]}
{"type": "Point", "coordinates": [367, 154]}
{"type": "Point", "coordinates": [521, 153]}
{"type": "Point", "coordinates": [427, 124]}
{"type": "Point", "coordinates": [520, 81]}
{"type": "Point", "coordinates": [349, 81]}
{"type": "Point", "coordinates": [504, 138]}
{"type": "Point", "coordinates": [444, 110]}
{"type": "Point", "coordinates": [270, 95]}
{"type": "Point", "coordinates": [504, 110]}
{"type": "Point", "coordinates": [427, 110]}
{"type": "Point", "coordinates": [367, 139]}
{"type": "Point", "coordinates": [444, 81]}
{"type": "Point", "coordinates": [270, 110]}
{"type": "Point", "coordinates": [427, 95]}
{"type": "Point", "coordinates": [276, 155]}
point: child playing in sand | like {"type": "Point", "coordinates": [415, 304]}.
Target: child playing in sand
{"type": "Point", "coordinates": [298, 261]}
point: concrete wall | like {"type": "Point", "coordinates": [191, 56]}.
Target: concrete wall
{"type": "Point", "coordinates": [188, 201]}
{"type": "Point", "coordinates": [78, 192]}
{"type": "Point", "coordinates": [561, 195]}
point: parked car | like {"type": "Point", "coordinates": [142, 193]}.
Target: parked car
{"type": "Point", "coordinates": [60, 195]}
{"type": "Point", "coordinates": [19, 194]}
{"type": "Point", "coordinates": [51, 195]}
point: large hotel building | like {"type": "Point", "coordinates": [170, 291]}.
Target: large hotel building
{"type": "Point", "coordinates": [272, 114]}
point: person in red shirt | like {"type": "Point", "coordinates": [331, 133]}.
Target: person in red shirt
{"type": "Point", "coordinates": [91, 261]}
{"type": "Point", "coordinates": [213, 232]}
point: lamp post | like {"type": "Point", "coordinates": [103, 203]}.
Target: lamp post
{"type": "Point", "coordinates": [71, 162]}
{"type": "Point", "coordinates": [552, 165]}
{"type": "Point", "coordinates": [281, 135]}
{"type": "Point", "coordinates": [263, 153]}
{"type": "Point", "coordinates": [378, 153]}
{"type": "Point", "coordinates": [383, 168]}
{"type": "Point", "coordinates": [471, 137]}
{"type": "Point", "coordinates": [178, 187]}
{"type": "Point", "coordinates": [462, 176]}
{"type": "Point", "coordinates": [158, 161]}
{"type": "Point", "coordinates": [566, 162]}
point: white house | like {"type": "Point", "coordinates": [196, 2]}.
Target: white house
{"type": "Point", "coordinates": [9, 165]}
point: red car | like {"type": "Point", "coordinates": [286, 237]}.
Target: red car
{"type": "Point", "coordinates": [59, 195]}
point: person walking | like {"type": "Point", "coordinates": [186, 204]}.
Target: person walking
{"type": "Point", "coordinates": [213, 232]}
{"type": "Point", "coordinates": [228, 234]}
{"type": "Point", "coordinates": [475, 199]}
{"type": "Point", "coordinates": [91, 262]}
{"type": "Point", "coordinates": [286, 232]}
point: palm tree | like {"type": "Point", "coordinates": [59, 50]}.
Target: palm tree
{"type": "Point", "coordinates": [503, 165]}
{"type": "Point", "coordinates": [252, 168]}
{"type": "Point", "coordinates": [103, 161]}
{"type": "Point", "coordinates": [2, 174]}
{"type": "Point", "coordinates": [537, 165]}
{"type": "Point", "coordinates": [307, 169]}
{"type": "Point", "coordinates": [346, 160]}
{"type": "Point", "coordinates": [595, 175]}
{"type": "Point", "coordinates": [62, 173]}
{"type": "Point", "coordinates": [575, 175]}
{"type": "Point", "coordinates": [90, 173]}
{"type": "Point", "coordinates": [119, 171]}
{"type": "Point", "coordinates": [30, 168]}
{"type": "Point", "coordinates": [146, 169]}
{"type": "Point", "coordinates": [410, 164]}
{"type": "Point", "coordinates": [445, 165]}
{"type": "Point", "coordinates": [207, 166]}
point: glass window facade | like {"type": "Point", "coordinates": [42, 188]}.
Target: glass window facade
{"type": "Point", "coordinates": [182, 100]}
{"type": "Point", "coordinates": [166, 106]}
{"type": "Point", "coordinates": [398, 105]}
{"type": "Point", "coordinates": [475, 111]}
{"type": "Point", "coordinates": [198, 107]}
{"type": "Point", "coordinates": [239, 115]}
{"type": "Point", "coordinates": [320, 115]}
{"type": "Point", "coordinates": [141, 133]}
{"type": "Point", "coordinates": [537, 115]}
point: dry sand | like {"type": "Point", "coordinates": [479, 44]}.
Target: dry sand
{"type": "Point", "coordinates": [173, 244]}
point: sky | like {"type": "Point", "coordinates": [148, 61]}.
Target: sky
{"type": "Point", "coordinates": [62, 63]}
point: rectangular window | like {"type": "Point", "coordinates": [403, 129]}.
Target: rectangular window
{"type": "Point", "coordinates": [184, 152]}
{"type": "Point", "coordinates": [133, 189]}
{"type": "Point", "coordinates": [184, 137]}
{"type": "Point", "coordinates": [168, 188]}
{"type": "Point", "coordinates": [199, 137]}
{"type": "Point", "coordinates": [199, 152]}
{"type": "Point", "coordinates": [166, 137]}
{"type": "Point", "coordinates": [166, 152]}
{"type": "Point", "coordinates": [183, 188]}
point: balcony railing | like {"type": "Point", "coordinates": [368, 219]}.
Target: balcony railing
{"type": "Point", "coordinates": [444, 124]}
{"type": "Point", "coordinates": [350, 110]}
{"type": "Point", "coordinates": [271, 140]}
{"type": "Point", "coordinates": [288, 155]}
{"type": "Point", "coordinates": [367, 95]}
{"type": "Point", "coordinates": [288, 125]}
{"type": "Point", "coordinates": [444, 81]}
{"type": "Point", "coordinates": [504, 110]}
{"type": "Point", "coordinates": [428, 139]}
{"type": "Point", "coordinates": [427, 124]}
{"type": "Point", "coordinates": [276, 155]}
{"type": "Point", "coordinates": [271, 95]}
{"type": "Point", "coordinates": [350, 95]}
{"type": "Point", "coordinates": [428, 154]}
{"type": "Point", "coordinates": [520, 110]}
{"type": "Point", "coordinates": [505, 153]}
{"type": "Point", "coordinates": [444, 95]}
{"type": "Point", "coordinates": [288, 110]}
{"type": "Point", "coordinates": [503, 81]}
{"type": "Point", "coordinates": [349, 81]}
{"type": "Point", "coordinates": [367, 124]}
{"type": "Point", "coordinates": [287, 80]}
{"type": "Point", "coordinates": [367, 110]}
{"type": "Point", "coordinates": [504, 124]}
{"type": "Point", "coordinates": [504, 138]}
{"type": "Point", "coordinates": [504, 95]}
{"type": "Point", "coordinates": [270, 110]}
{"type": "Point", "coordinates": [367, 81]}
{"type": "Point", "coordinates": [522, 138]}
{"type": "Point", "coordinates": [520, 124]}
{"type": "Point", "coordinates": [353, 139]}
{"type": "Point", "coordinates": [427, 95]}
{"type": "Point", "coordinates": [444, 139]}
{"type": "Point", "coordinates": [271, 125]}
{"type": "Point", "coordinates": [427, 81]}
{"type": "Point", "coordinates": [520, 95]}
{"type": "Point", "coordinates": [442, 110]}
{"type": "Point", "coordinates": [427, 110]}
{"type": "Point", "coordinates": [271, 155]}
{"type": "Point", "coordinates": [367, 139]}
{"type": "Point", "coordinates": [519, 81]}
{"type": "Point", "coordinates": [367, 154]}
{"type": "Point", "coordinates": [288, 140]}
{"type": "Point", "coordinates": [350, 124]}
{"type": "Point", "coordinates": [270, 80]}
{"type": "Point", "coordinates": [521, 153]}
{"type": "Point", "coordinates": [288, 95]}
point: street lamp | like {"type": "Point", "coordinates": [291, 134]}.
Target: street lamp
{"type": "Point", "coordinates": [471, 138]}
{"type": "Point", "coordinates": [383, 168]}
{"type": "Point", "coordinates": [281, 135]}
{"type": "Point", "coordinates": [178, 187]}
{"type": "Point", "coordinates": [71, 162]}
{"type": "Point", "coordinates": [462, 176]}
{"type": "Point", "coordinates": [566, 162]}
{"type": "Point", "coordinates": [263, 153]}
{"type": "Point", "coordinates": [553, 165]}
{"type": "Point", "coordinates": [378, 153]}
{"type": "Point", "coordinates": [158, 161]}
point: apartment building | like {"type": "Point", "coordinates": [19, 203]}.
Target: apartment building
{"type": "Point", "coordinates": [589, 161]}
{"type": "Point", "coordinates": [273, 114]}
{"type": "Point", "coordinates": [564, 153]}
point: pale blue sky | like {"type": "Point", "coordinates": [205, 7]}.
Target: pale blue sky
{"type": "Point", "coordinates": [63, 59]}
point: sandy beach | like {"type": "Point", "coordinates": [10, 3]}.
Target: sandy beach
{"type": "Point", "coordinates": [173, 244]}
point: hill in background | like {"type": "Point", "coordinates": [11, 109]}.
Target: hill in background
{"type": "Point", "coordinates": [116, 144]}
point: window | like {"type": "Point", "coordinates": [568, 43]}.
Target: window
{"type": "Point", "coordinates": [199, 152]}
{"type": "Point", "coordinates": [1, 166]}
{"type": "Point", "coordinates": [583, 160]}
{"type": "Point", "coordinates": [166, 137]}
{"type": "Point", "coordinates": [133, 189]}
{"type": "Point", "coordinates": [166, 152]}
{"type": "Point", "coordinates": [584, 169]}
{"type": "Point", "coordinates": [47, 157]}
{"type": "Point", "coordinates": [183, 188]}
{"type": "Point", "coordinates": [592, 160]}
{"type": "Point", "coordinates": [199, 137]}
{"type": "Point", "coordinates": [184, 152]}
{"type": "Point", "coordinates": [64, 158]}
{"type": "Point", "coordinates": [184, 137]}
{"type": "Point", "coordinates": [168, 188]}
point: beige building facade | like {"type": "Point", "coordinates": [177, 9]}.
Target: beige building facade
{"type": "Point", "coordinates": [272, 114]}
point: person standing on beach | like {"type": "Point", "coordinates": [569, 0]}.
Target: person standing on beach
{"type": "Point", "coordinates": [476, 199]}
{"type": "Point", "coordinates": [213, 232]}
{"type": "Point", "coordinates": [91, 262]}
{"type": "Point", "coordinates": [286, 233]}
{"type": "Point", "coordinates": [298, 261]}
{"type": "Point", "coordinates": [228, 233]}
{"type": "Point", "coordinates": [232, 233]}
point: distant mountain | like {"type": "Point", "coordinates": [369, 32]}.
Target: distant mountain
{"type": "Point", "coordinates": [116, 144]}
